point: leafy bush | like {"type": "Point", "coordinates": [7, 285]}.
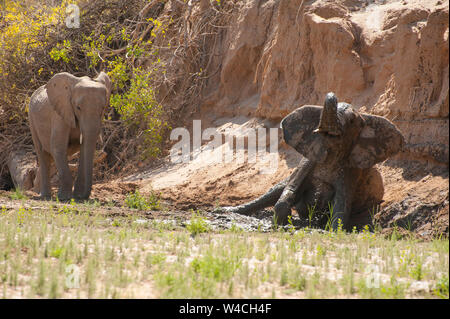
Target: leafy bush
{"type": "Point", "coordinates": [61, 52]}
{"type": "Point", "coordinates": [138, 108]}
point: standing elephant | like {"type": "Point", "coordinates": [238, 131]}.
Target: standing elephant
{"type": "Point", "coordinates": [339, 148]}
{"type": "Point", "coordinates": [65, 117]}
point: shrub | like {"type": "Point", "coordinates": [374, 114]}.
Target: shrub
{"type": "Point", "coordinates": [139, 109]}
{"type": "Point", "coordinates": [137, 201]}
{"type": "Point", "coordinates": [197, 224]}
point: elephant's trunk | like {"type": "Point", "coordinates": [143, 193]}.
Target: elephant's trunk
{"type": "Point", "coordinates": [88, 159]}
{"type": "Point", "coordinates": [87, 150]}
{"type": "Point", "coordinates": [328, 118]}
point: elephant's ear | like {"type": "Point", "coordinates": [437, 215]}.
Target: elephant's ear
{"type": "Point", "coordinates": [59, 91]}
{"type": "Point", "coordinates": [106, 81]}
{"type": "Point", "coordinates": [298, 131]}
{"type": "Point", "coordinates": [378, 140]}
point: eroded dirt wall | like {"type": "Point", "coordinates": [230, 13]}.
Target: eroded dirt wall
{"type": "Point", "coordinates": [385, 57]}
{"type": "Point", "coordinates": [270, 57]}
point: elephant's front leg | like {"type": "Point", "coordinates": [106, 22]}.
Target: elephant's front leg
{"type": "Point", "coordinates": [80, 180]}
{"type": "Point", "coordinates": [59, 143]}
{"type": "Point", "coordinates": [287, 199]}
{"type": "Point", "coordinates": [344, 189]}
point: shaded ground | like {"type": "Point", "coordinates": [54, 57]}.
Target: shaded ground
{"type": "Point", "coordinates": [416, 198]}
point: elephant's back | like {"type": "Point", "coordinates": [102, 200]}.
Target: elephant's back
{"type": "Point", "coordinates": [39, 101]}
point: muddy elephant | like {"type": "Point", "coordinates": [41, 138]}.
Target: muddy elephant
{"type": "Point", "coordinates": [65, 117]}
{"type": "Point", "coordinates": [339, 148]}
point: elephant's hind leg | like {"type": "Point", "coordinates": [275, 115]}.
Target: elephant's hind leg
{"type": "Point", "coordinates": [368, 197]}
{"type": "Point", "coordinates": [370, 190]}
{"type": "Point", "coordinates": [288, 198]}
{"type": "Point", "coordinates": [44, 160]}
{"type": "Point", "coordinates": [266, 200]}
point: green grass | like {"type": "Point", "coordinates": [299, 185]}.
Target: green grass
{"type": "Point", "coordinates": [441, 288]}
{"type": "Point", "coordinates": [197, 224]}
{"type": "Point", "coordinates": [117, 257]}
{"type": "Point", "coordinates": [137, 201]}
{"type": "Point", "coordinates": [18, 194]}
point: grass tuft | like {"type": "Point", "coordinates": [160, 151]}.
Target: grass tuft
{"type": "Point", "coordinates": [137, 201]}
{"type": "Point", "coordinates": [197, 224]}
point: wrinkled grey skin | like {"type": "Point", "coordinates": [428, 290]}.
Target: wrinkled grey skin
{"type": "Point", "coordinates": [339, 148]}
{"type": "Point", "coordinates": [65, 117]}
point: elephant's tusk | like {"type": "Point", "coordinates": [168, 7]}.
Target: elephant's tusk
{"type": "Point", "coordinates": [81, 138]}
{"type": "Point", "coordinates": [101, 138]}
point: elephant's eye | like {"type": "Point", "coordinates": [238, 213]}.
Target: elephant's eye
{"type": "Point", "coordinates": [78, 108]}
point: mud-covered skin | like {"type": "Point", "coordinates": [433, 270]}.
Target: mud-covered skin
{"type": "Point", "coordinates": [266, 200]}
{"type": "Point", "coordinates": [339, 148]}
